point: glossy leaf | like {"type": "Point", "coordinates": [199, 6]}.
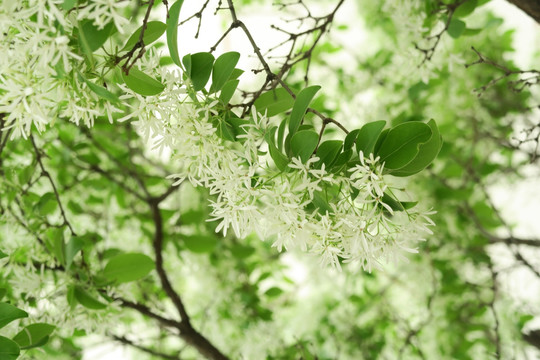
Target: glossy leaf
{"type": "Point", "coordinates": [368, 135]}
{"type": "Point", "coordinates": [198, 68]}
{"type": "Point", "coordinates": [93, 38]}
{"type": "Point", "coordinates": [72, 248]}
{"type": "Point", "coordinates": [274, 102]}
{"type": "Point", "coordinates": [402, 143]}
{"type": "Point", "coordinates": [87, 300]}
{"type": "Point", "coordinates": [303, 99]}
{"type": "Point", "coordinates": [426, 153]}
{"type": "Point", "coordinates": [303, 144]}
{"type": "Point", "coordinates": [350, 139]}
{"type": "Point", "coordinates": [102, 92]}
{"type": "Point", "coordinates": [34, 335]}
{"type": "Point", "coordinates": [128, 267]}
{"type": "Point", "coordinates": [9, 350]}
{"type": "Point", "coordinates": [328, 152]}
{"type": "Point", "coordinates": [8, 313]}
{"type": "Point", "coordinates": [227, 91]}
{"type": "Point", "coordinates": [154, 30]}
{"type": "Point", "coordinates": [141, 83]}
{"type": "Point", "coordinates": [172, 31]}
{"type": "Point", "coordinates": [280, 160]}
{"type": "Point", "coordinates": [223, 69]}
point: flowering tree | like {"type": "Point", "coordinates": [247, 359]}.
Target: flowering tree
{"type": "Point", "coordinates": [137, 184]}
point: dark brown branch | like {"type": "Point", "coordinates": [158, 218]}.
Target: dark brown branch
{"type": "Point", "coordinates": [130, 57]}
{"type": "Point", "coordinates": [187, 332]}
{"type": "Point", "coordinates": [271, 77]}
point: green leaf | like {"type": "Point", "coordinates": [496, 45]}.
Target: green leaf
{"type": "Point", "coordinates": [47, 204]}
{"type": "Point", "coordinates": [3, 254]}
{"type": "Point", "coordinates": [456, 28]}
{"type": "Point", "coordinates": [9, 350]}
{"type": "Point", "coordinates": [236, 74]}
{"type": "Point", "coordinates": [426, 154]}
{"type": "Point", "coordinates": [227, 91]}
{"type": "Point", "coordinates": [223, 69]}
{"type": "Point", "coordinates": [303, 144]}
{"type": "Point", "coordinates": [380, 140]}
{"type": "Point", "coordinates": [200, 68]}
{"type": "Point", "coordinates": [74, 245]}
{"type": "Point", "coordinates": [303, 99]}
{"type": "Point", "coordinates": [69, 4]}
{"type": "Point", "coordinates": [328, 152]}
{"type": "Point", "coordinates": [274, 102]}
{"type": "Point", "coordinates": [200, 244]}
{"type": "Point", "coordinates": [465, 9]}
{"type": "Point", "coordinates": [350, 139]}
{"type": "Point", "coordinates": [154, 30]}
{"type": "Point", "coordinates": [142, 83]}
{"type": "Point", "coordinates": [273, 292]}
{"type": "Point", "coordinates": [92, 38]}
{"type": "Point", "coordinates": [342, 159]}
{"type": "Point", "coordinates": [397, 205]}
{"type": "Point", "coordinates": [87, 300]}
{"type": "Point", "coordinates": [319, 201]}
{"type": "Point", "coordinates": [55, 243]}
{"type": "Point", "coordinates": [280, 160]}
{"type": "Point", "coordinates": [281, 134]}
{"type": "Point", "coordinates": [402, 143]}
{"type": "Point", "coordinates": [225, 130]}
{"type": "Point", "coordinates": [101, 91]}
{"type": "Point", "coordinates": [128, 267]}
{"type": "Point", "coordinates": [34, 335]}
{"type": "Point", "coordinates": [368, 135]}
{"type": "Point", "coordinates": [8, 313]}
{"type": "Point", "coordinates": [172, 31]}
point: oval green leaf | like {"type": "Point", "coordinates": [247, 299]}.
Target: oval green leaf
{"type": "Point", "coordinates": [426, 153]}
{"type": "Point", "coordinates": [102, 92]}
{"type": "Point", "coordinates": [303, 144]}
{"type": "Point", "coordinates": [172, 31]}
{"type": "Point", "coordinates": [274, 102]}
{"type": "Point", "coordinates": [8, 313]}
{"type": "Point", "coordinates": [128, 267]}
{"type": "Point", "coordinates": [303, 99]}
{"type": "Point", "coordinates": [328, 152]}
{"type": "Point", "coordinates": [456, 28]}
{"type": "Point", "coordinates": [223, 69]}
{"type": "Point", "coordinates": [87, 300]}
{"type": "Point", "coordinates": [402, 143]}
{"type": "Point", "coordinates": [9, 350]}
{"type": "Point", "coordinates": [142, 83]}
{"type": "Point", "coordinates": [154, 30]}
{"type": "Point", "coordinates": [199, 68]}
{"type": "Point", "coordinates": [92, 38]}
{"type": "Point", "coordinates": [34, 335]}
{"type": "Point", "coordinates": [368, 135]}
{"type": "Point", "coordinates": [227, 91]}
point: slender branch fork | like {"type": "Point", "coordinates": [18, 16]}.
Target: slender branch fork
{"type": "Point", "coordinates": [272, 78]}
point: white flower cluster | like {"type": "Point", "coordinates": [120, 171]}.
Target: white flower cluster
{"type": "Point", "coordinates": [40, 77]}
{"type": "Point", "coordinates": [252, 196]}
